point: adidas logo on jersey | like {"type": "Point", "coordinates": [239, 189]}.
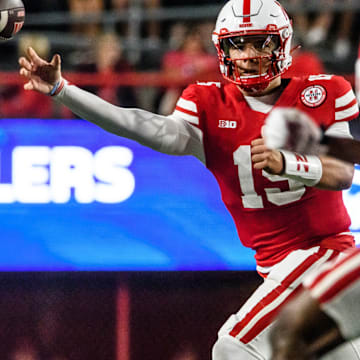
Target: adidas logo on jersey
{"type": "Point", "coordinates": [227, 124]}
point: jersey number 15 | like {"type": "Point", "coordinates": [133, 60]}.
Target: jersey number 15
{"type": "Point", "coordinates": [250, 199]}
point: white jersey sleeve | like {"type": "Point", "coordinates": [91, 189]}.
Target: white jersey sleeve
{"type": "Point", "coordinates": [339, 129]}
{"type": "Point", "coordinates": [166, 134]}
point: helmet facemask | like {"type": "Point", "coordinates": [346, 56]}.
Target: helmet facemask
{"type": "Point", "coordinates": [265, 55]}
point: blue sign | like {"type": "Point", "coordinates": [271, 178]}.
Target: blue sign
{"type": "Point", "coordinates": [74, 197]}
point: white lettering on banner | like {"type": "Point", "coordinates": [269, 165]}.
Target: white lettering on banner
{"type": "Point", "coordinates": [72, 169]}
{"type": "Point", "coordinates": [118, 183]}
{"type": "Point", "coordinates": [30, 175]}
{"type": "Point", "coordinates": [41, 175]}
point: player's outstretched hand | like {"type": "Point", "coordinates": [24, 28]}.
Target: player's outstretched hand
{"type": "Point", "coordinates": [41, 75]}
{"type": "Point", "coordinates": [291, 129]}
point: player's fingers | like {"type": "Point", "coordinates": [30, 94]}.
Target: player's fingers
{"type": "Point", "coordinates": [56, 61]}
{"type": "Point", "coordinates": [257, 149]}
{"type": "Point", "coordinates": [29, 86]}
{"type": "Point", "coordinates": [25, 73]}
{"type": "Point", "coordinates": [259, 141]}
{"type": "Point", "coordinates": [263, 131]}
{"type": "Point", "coordinates": [25, 63]}
{"type": "Point", "coordinates": [34, 57]}
{"type": "Point", "coordinates": [261, 165]}
{"type": "Point", "coordinates": [260, 157]}
{"type": "Point", "coordinates": [256, 158]}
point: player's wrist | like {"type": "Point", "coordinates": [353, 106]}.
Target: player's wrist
{"type": "Point", "coordinates": [304, 168]}
{"type": "Point", "coordinates": [282, 163]}
{"type": "Point", "coordinates": [277, 164]}
{"type": "Point", "coordinates": [58, 87]}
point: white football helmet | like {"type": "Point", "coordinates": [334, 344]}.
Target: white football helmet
{"type": "Point", "coordinates": [245, 18]}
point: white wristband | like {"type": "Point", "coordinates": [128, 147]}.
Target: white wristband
{"type": "Point", "coordinates": [304, 168]}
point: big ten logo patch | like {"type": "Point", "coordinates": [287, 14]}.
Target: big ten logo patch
{"type": "Point", "coordinates": [227, 124]}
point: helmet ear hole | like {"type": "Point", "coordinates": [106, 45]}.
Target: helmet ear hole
{"type": "Point", "coordinates": [227, 60]}
{"type": "Point", "coordinates": [228, 66]}
{"type": "Point", "coordinates": [224, 45]}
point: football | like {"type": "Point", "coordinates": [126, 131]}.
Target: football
{"type": "Point", "coordinates": [12, 16]}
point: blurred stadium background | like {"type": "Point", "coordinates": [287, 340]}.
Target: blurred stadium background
{"type": "Point", "coordinates": [67, 292]}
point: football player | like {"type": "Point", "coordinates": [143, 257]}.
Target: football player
{"type": "Point", "coordinates": [325, 315]}
{"type": "Point", "coordinates": [286, 207]}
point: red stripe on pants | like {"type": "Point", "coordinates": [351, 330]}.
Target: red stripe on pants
{"type": "Point", "coordinates": [264, 321]}
{"type": "Point", "coordinates": [268, 318]}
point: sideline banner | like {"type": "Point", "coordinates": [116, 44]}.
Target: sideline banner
{"type": "Point", "coordinates": [74, 197]}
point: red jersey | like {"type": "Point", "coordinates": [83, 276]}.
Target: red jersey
{"type": "Point", "coordinates": [273, 215]}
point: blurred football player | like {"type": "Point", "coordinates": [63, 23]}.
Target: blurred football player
{"type": "Point", "coordinates": [357, 76]}
{"type": "Point", "coordinates": [325, 315]}
{"type": "Point", "coordinates": [286, 207]}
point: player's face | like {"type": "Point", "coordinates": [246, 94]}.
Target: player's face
{"type": "Point", "coordinates": [251, 55]}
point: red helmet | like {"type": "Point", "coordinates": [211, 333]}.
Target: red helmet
{"type": "Point", "coordinates": [265, 20]}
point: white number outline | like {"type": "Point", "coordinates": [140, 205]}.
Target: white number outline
{"type": "Point", "coordinates": [250, 198]}
{"type": "Point", "coordinates": [320, 77]}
